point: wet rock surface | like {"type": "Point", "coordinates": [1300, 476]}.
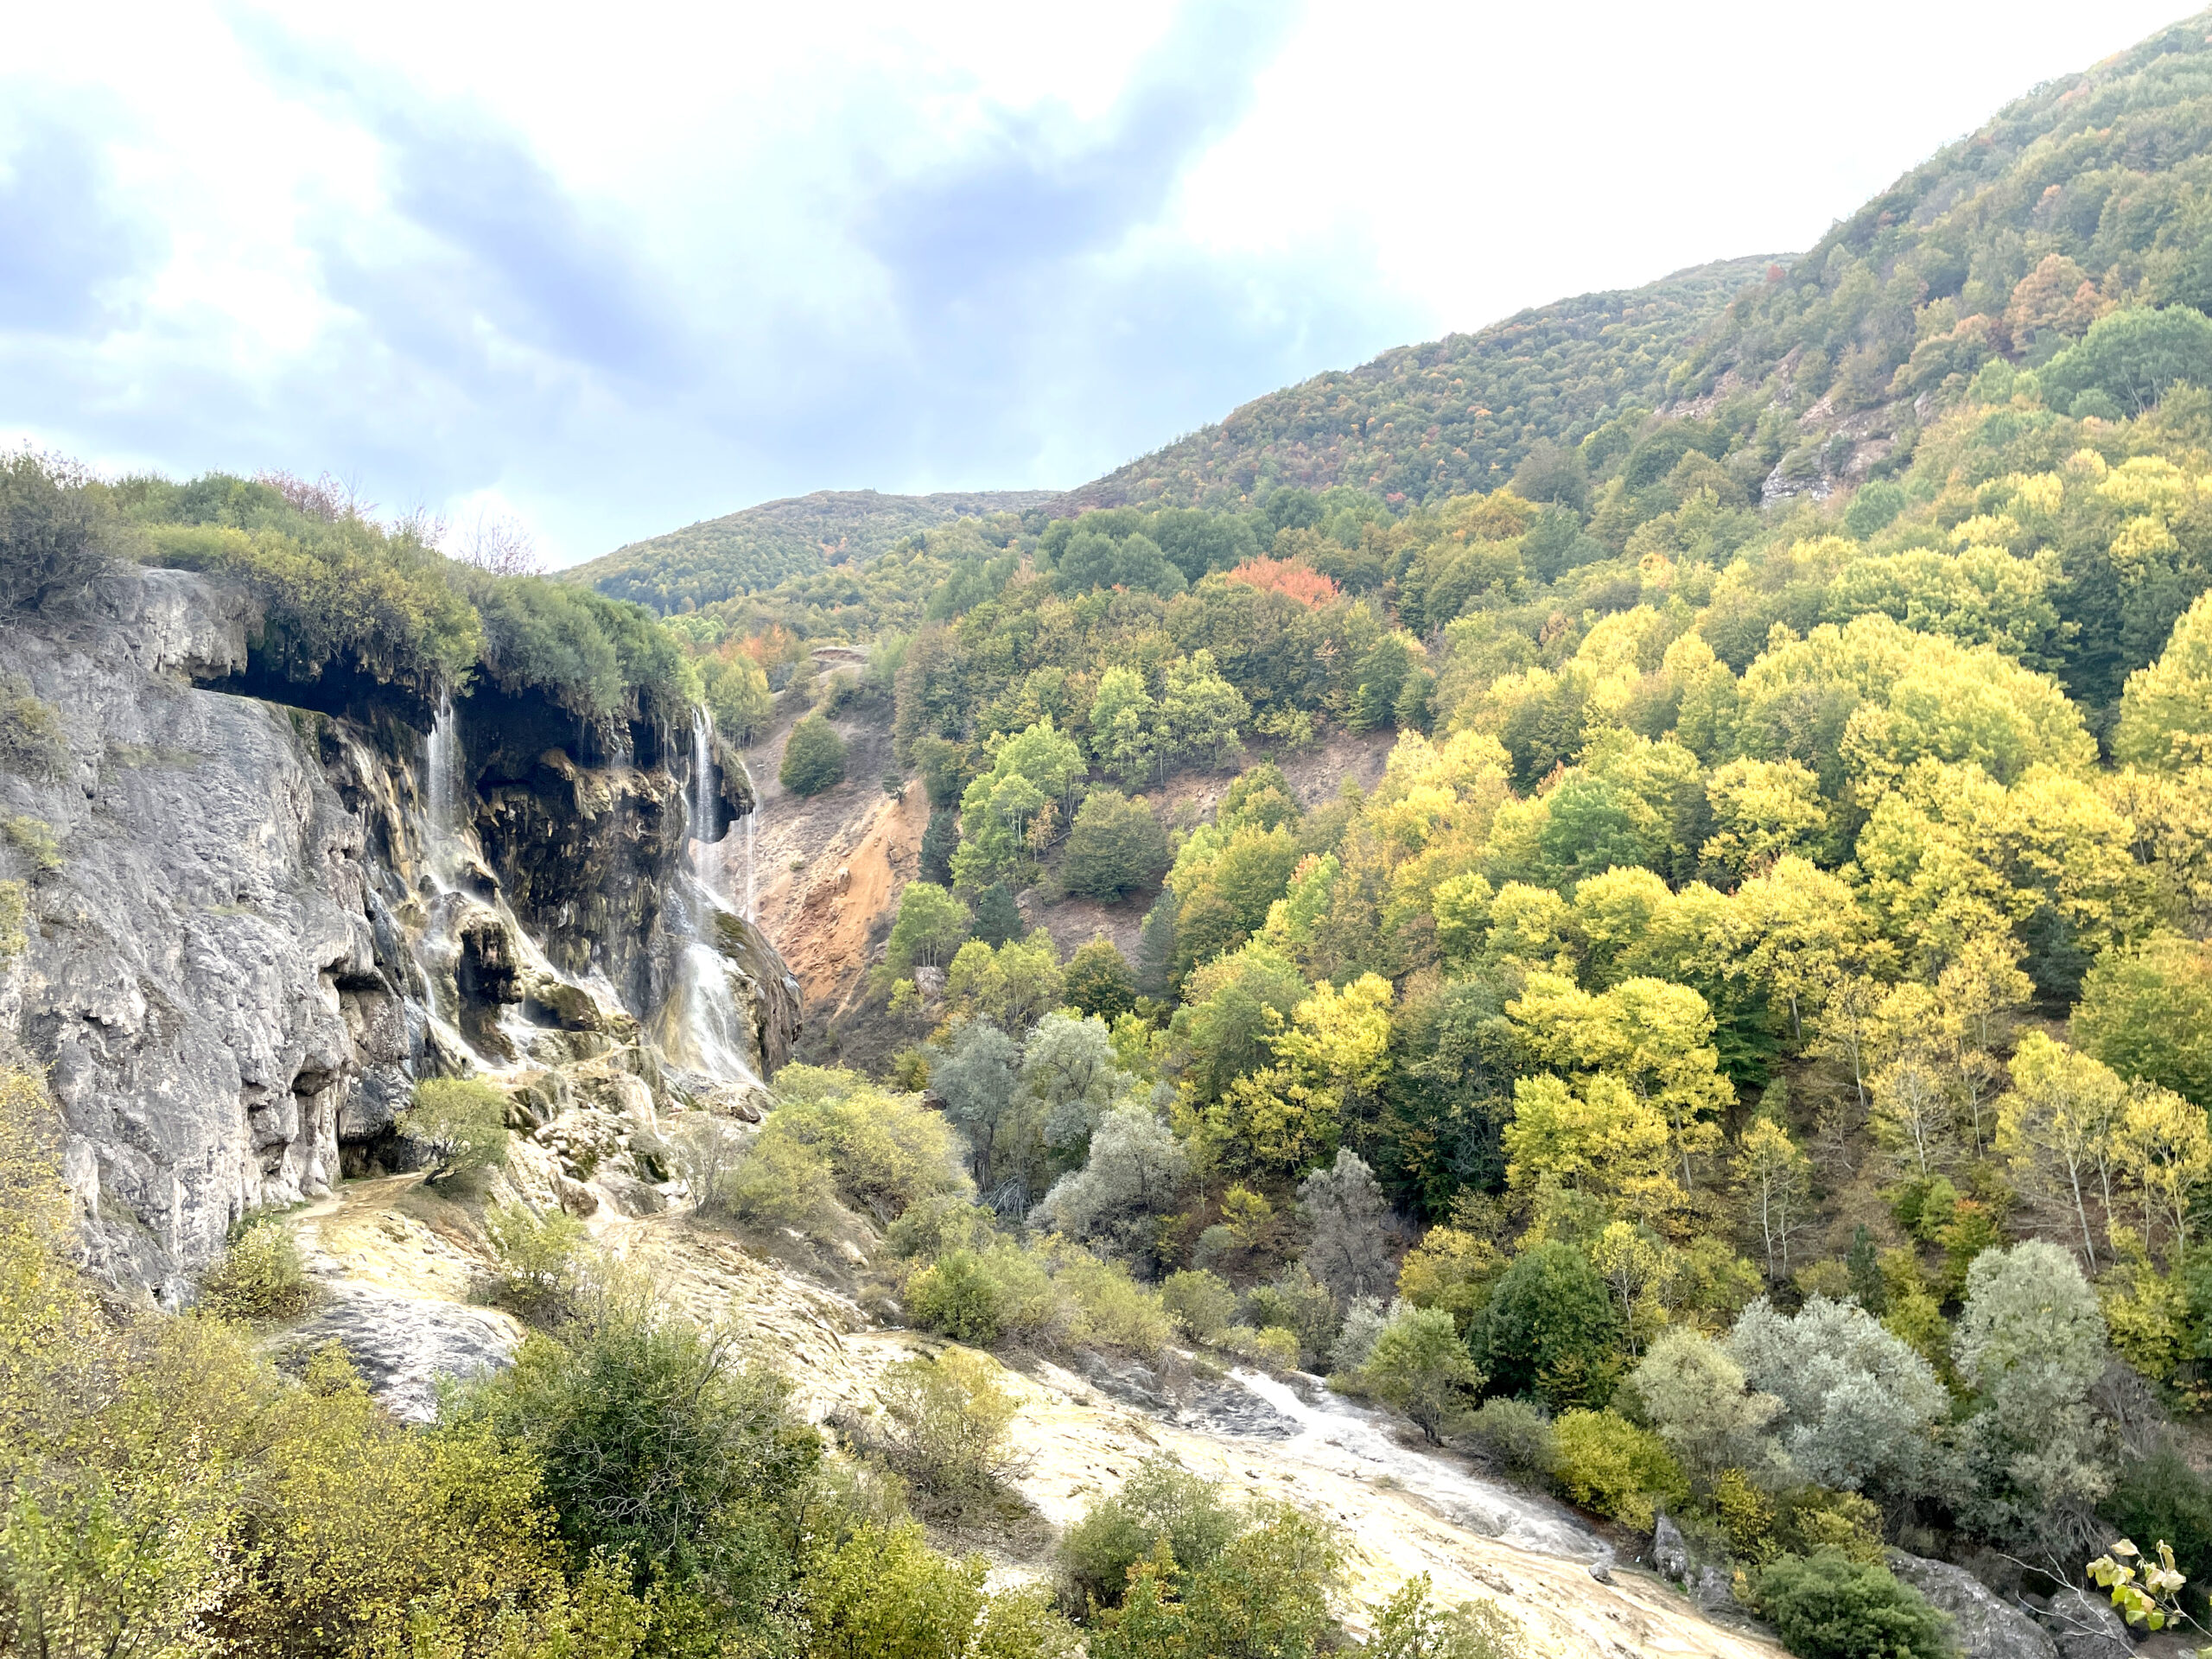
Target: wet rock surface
{"type": "Point", "coordinates": [246, 949]}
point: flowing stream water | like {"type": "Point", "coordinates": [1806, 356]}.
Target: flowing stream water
{"type": "Point", "coordinates": [714, 1036]}
{"type": "Point", "coordinates": [1333, 1434]}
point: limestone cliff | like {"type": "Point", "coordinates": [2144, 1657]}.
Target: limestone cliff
{"type": "Point", "coordinates": [252, 925]}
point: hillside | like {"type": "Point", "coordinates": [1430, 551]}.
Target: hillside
{"type": "Point", "coordinates": [1440, 419]}
{"type": "Point", "coordinates": [760, 546]}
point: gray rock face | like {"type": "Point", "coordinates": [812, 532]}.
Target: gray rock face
{"type": "Point", "coordinates": [1984, 1626]}
{"type": "Point", "coordinates": [240, 964]}
{"type": "Point", "coordinates": [2084, 1625]}
{"type": "Point", "coordinates": [202, 959]}
{"type": "Point", "coordinates": [404, 1348]}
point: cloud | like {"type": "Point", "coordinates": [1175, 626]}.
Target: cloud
{"type": "Point", "coordinates": [66, 243]}
{"type": "Point", "coordinates": [618, 283]}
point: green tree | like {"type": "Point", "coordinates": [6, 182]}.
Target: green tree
{"type": "Point", "coordinates": [1419, 1364]}
{"type": "Point", "coordinates": [931, 925]}
{"type": "Point", "coordinates": [1122, 719]}
{"type": "Point", "coordinates": [1099, 982]}
{"type": "Point", "coordinates": [1549, 1332]}
{"type": "Point", "coordinates": [1201, 714]}
{"type": "Point", "coordinates": [463, 1122]}
{"type": "Point", "coordinates": [2165, 714]}
{"type": "Point", "coordinates": [2133, 356]}
{"type": "Point", "coordinates": [2147, 1014]}
{"type": "Point", "coordinates": [814, 758]}
{"type": "Point", "coordinates": [998, 917]}
{"type": "Point", "coordinates": [1115, 847]}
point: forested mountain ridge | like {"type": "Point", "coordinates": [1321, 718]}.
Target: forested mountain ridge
{"type": "Point", "coordinates": [2084, 197]}
{"type": "Point", "coordinates": [1421, 422]}
{"type": "Point", "coordinates": [799, 537]}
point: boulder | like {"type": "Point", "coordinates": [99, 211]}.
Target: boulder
{"type": "Point", "coordinates": [1983, 1624]}
{"type": "Point", "coordinates": [2084, 1625]}
{"type": "Point", "coordinates": [405, 1347]}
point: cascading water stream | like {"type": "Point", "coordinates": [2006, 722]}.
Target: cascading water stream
{"type": "Point", "coordinates": [714, 1036]}
{"type": "Point", "coordinates": [1333, 1434]}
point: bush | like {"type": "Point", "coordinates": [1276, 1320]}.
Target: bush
{"type": "Point", "coordinates": [30, 732]}
{"type": "Point", "coordinates": [1113, 1311]}
{"type": "Point", "coordinates": [53, 532]}
{"type": "Point", "coordinates": [779, 1182]}
{"type": "Point", "coordinates": [657, 1448]}
{"type": "Point", "coordinates": [1301, 1304]}
{"type": "Point", "coordinates": [814, 758]}
{"type": "Point", "coordinates": [943, 1430]}
{"type": "Point", "coordinates": [1115, 847]}
{"type": "Point", "coordinates": [1418, 1365]}
{"type": "Point", "coordinates": [1517, 1437]}
{"type": "Point", "coordinates": [2161, 1497]}
{"type": "Point", "coordinates": [259, 1277]}
{"type": "Point", "coordinates": [462, 1122]}
{"type": "Point", "coordinates": [539, 1260]}
{"type": "Point", "coordinates": [1826, 1606]}
{"type": "Point", "coordinates": [1408, 1627]}
{"type": "Point", "coordinates": [340, 594]}
{"type": "Point", "coordinates": [984, 1297]}
{"type": "Point", "coordinates": [1161, 1503]}
{"type": "Point", "coordinates": [1272, 1349]}
{"type": "Point", "coordinates": [1202, 1304]}
{"type": "Point", "coordinates": [1607, 1464]}
{"type": "Point", "coordinates": [886, 1151]}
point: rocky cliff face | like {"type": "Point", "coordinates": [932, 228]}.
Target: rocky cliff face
{"type": "Point", "coordinates": [255, 926]}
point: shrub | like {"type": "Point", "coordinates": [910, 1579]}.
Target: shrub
{"type": "Point", "coordinates": [1607, 1464]}
{"type": "Point", "coordinates": [780, 1182]}
{"type": "Point", "coordinates": [884, 1592]}
{"type": "Point", "coordinates": [1202, 1304]}
{"type": "Point", "coordinates": [35, 840]}
{"type": "Point", "coordinates": [461, 1121]}
{"type": "Point", "coordinates": [340, 594]}
{"type": "Point", "coordinates": [1113, 1311]}
{"type": "Point", "coordinates": [15, 909]}
{"type": "Point", "coordinates": [1826, 1606]}
{"type": "Point", "coordinates": [54, 531]}
{"type": "Point", "coordinates": [259, 1277]}
{"type": "Point", "coordinates": [1517, 1436]}
{"type": "Point", "coordinates": [814, 758]}
{"type": "Point", "coordinates": [1115, 847]}
{"type": "Point", "coordinates": [884, 1151]}
{"type": "Point", "coordinates": [539, 1260]}
{"type": "Point", "coordinates": [31, 743]}
{"type": "Point", "coordinates": [942, 1429]}
{"type": "Point", "coordinates": [1301, 1304]}
{"type": "Point", "coordinates": [1408, 1626]}
{"type": "Point", "coordinates": [1162, 1503]}
{"type": "Point", "coordinates": [657, 1448]}
{"type": "Point", "coordinates": [1272, 1349]}
{"type": "Point", "coordinates": [1002, 1293]}
{"type": "Point", "coordinates": [1418, 1365]}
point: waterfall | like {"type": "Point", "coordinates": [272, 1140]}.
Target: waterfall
{"type": "Point", "coordinates": [441, 775]}
{"type": "Point", "coordinates": [712, 1035]}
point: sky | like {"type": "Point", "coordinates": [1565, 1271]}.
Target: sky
{"type": "Point", "coordinates": [599, 272]}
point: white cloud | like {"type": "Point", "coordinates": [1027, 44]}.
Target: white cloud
{"type": "Point", "coordinates": [616, 272]}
